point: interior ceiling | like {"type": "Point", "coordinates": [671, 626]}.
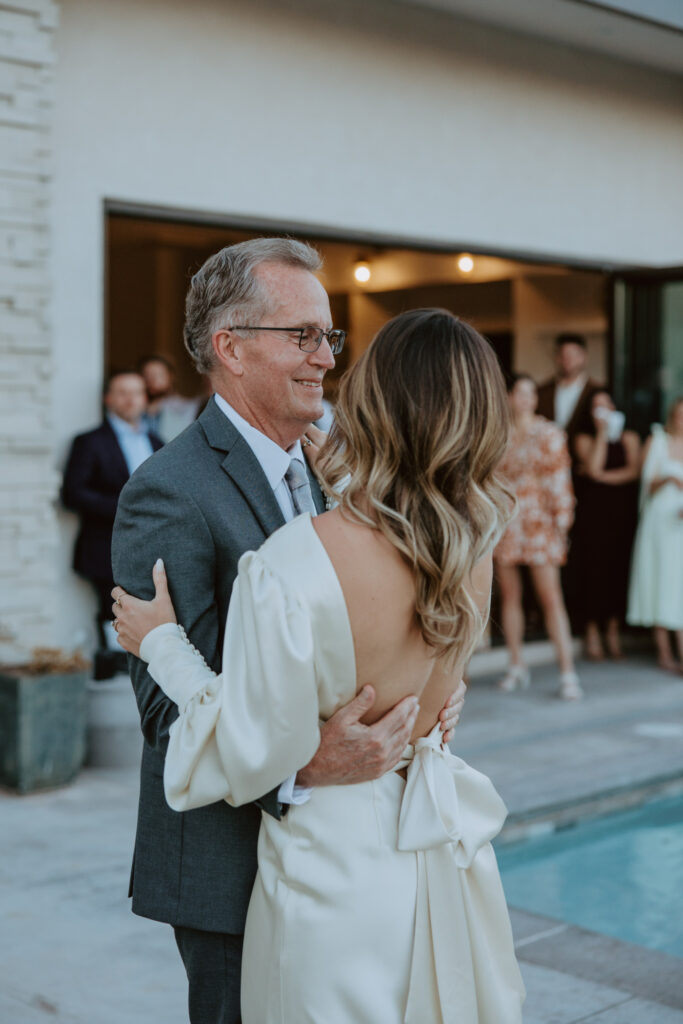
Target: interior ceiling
{"type": "Point", "coordinates": [391, 268]}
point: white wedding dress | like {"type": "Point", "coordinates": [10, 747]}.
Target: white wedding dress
{"type": "Point", "coordinates": [655, 595]}
{"type": "Point", "coordinates": [377, 903]}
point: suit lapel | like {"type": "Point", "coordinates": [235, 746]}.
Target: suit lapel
{"type": "Point", "coordinates": [244, 469]}
{"type": "Point", "coordinates": [580, 407]}
{"type": "Point", "coordinates": [115, 457]}
{"type": "Point", "coordinates": [242, 466]}
{"type": "Point", "coordinates": [316, 490]}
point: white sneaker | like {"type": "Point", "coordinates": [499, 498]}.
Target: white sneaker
{"type": "Point", "coordinates": [516, 676]}
{"type": "Point", "coordinates": [570, 687]}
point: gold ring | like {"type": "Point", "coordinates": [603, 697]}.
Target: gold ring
{"type": "Point", "coordinates": [305, 443]}
{"type": "Point", "coordinates": [118, 602]}
{"type": "Point", "coordinates": [116, 625]}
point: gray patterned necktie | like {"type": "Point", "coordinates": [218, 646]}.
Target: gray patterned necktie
{"type": "Point", "coordinates": [299, 485]}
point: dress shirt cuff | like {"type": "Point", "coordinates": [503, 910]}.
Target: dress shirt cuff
{"type": "Point", "coordinates": [290, 793]}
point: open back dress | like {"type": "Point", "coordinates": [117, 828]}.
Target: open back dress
{"type": "Point", "coordinates": [375, 903]}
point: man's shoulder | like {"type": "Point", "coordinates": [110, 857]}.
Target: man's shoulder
{"type": "Point", "coordinates": [176, 459]}
{"type": "Point", "coordinates": [95, 434]}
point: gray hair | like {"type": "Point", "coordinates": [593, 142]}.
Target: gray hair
{"type": "Point", "coordinates": [224, 290]}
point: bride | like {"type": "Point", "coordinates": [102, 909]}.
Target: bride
{"type": "Point", "coordinates": [380, 902]}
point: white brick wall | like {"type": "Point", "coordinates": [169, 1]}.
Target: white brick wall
{"type": "Point", "coordinates": [28, 482]}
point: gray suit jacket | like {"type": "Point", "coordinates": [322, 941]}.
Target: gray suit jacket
{"type": "Point", "coordinates": [199, 504]}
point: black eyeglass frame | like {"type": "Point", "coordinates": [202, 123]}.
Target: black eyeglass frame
{"type": "Point", "coordinates": [335, 337]}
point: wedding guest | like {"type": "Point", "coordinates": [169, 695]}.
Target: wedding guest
{"type": "Point", "coordinates": [168, 413]}
{"type": "Point", "coordinates": [99, 464]}
{"type": "Point", "coordinates": [537, 468]}
{"type": "Point", "coordinates": [608, 467]}
{"type": "Point", "coordinates": [656, 587]}
{"type": "Point", "coordinates": [565, 398]}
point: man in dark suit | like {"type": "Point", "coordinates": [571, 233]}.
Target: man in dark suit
{"type": "Point", "coordinates": [258, 322]}
{"type": "Point", "coordinates": [99, 464]}
{"type": "Point", "coordinates": [565, 399]}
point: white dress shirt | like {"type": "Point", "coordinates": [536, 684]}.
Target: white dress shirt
{"type": "Point", "coordinates": [133, 441]}
{"type": "Point", "coordinates": [274, 461]}
{"type": "Point", "coordinates": [566, 397]}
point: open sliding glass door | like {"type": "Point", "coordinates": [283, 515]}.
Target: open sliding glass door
{"type": "Point", "coordinates": [647, 343]}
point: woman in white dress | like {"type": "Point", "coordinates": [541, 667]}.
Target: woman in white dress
{"type": "Point", "coordinates": [376, 903]}
{"type": "Point", "coordinates": [656, 585]}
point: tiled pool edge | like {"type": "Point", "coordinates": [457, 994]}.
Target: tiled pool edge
{"type": "Point", "coordinates": [539, 821]}
{"type": "Point", "coordinates": [639, 972]}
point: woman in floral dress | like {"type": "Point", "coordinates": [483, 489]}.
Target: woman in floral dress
{"type": "Point", "coordinates": [537, 468]}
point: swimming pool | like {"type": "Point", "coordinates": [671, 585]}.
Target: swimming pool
{"type": "Point", "coordinates": [621, 875]}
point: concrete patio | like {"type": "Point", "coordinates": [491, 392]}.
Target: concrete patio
{"type": "Point", "coordinates": [71, 951]}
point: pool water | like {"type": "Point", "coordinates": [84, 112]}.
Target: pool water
{"type": "Point", "coordinates": [621, 875]}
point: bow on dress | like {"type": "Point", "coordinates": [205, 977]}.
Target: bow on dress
{"type": "Point", "coordinates": [449, 814]}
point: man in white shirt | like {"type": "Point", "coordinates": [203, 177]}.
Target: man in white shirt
{"type": "Point", "coordinates": [258, 322]}
{"type": "Point", "coordinates": [168, 413]}
{"type": "Point", "coordinates": [565, 399]}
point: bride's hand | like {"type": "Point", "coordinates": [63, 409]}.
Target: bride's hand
{"type": "Point", "coordinates": [134, 619]}
{"type": "Point", "coordinates": [312, 442]}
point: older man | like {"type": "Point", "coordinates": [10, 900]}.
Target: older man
{"type": "Point", "coordinates": [258, 322]}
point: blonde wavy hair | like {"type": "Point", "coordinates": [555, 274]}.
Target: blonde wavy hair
{"type": "Point", "coordinates": [421, 424]}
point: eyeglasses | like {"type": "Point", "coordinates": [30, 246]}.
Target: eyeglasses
{"type": "Point", "coordinates": [309, 338]}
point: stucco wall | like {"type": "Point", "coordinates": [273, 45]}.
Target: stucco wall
{"type": "Point", "coordinates": [367, 116]}
{"type": "Point", "coordinates": [28, 481]}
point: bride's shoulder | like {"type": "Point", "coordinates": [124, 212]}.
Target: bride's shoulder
{"type": "Point", "coordinates": [290, 553]}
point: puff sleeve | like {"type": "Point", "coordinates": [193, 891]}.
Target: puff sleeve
{"type": "Point", "coordinates": [652, 467]}
{"type": "Point", "coordinates": [240, 733]}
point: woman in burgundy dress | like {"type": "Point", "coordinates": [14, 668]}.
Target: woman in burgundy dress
{"type": "Point", "coordinates": [608, 467]}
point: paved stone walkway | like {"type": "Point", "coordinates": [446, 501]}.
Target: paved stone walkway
{"type": "Point", "coordinates": [71, 951]}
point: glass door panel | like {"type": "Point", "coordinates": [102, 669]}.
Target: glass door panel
{"type": "Point", "coordinates": [647, 344]}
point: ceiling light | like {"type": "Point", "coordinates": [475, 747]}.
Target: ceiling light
{"type": "Point", "coordinates": [465, 263]}
{"type": "Point", "coordinates": [361, 271]}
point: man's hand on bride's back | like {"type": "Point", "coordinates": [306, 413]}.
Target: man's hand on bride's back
{"type": "Point", "coordinates": [134, 618]}
{"type": "Point", "coordinates": [352, 752]}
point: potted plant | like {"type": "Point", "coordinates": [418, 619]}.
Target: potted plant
{"type": "Point", "coordinates": [42, 719]}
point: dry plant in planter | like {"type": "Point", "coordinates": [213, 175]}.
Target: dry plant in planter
{"type": "Point", "coordinates": [42, 719]}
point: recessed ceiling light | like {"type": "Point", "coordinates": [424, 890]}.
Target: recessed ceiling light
{"type": "Point", "coordinates": [362, 272]}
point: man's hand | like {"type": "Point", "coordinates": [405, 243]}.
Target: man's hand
{"type": "Point", "coordinates": [449, 716]}
{"type": "Point", "coordinates": [351, 752]}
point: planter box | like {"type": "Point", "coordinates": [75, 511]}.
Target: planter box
{"type": "Point", "coordinates": [42, 729]}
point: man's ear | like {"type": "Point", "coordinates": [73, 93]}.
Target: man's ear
{"type": "Point", "coordinates": [228, 349]}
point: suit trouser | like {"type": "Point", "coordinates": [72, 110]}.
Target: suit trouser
{"type": "Point", "coordinates": [213, 962]}
{"type": "Point", "coordinates": [103, 589]}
